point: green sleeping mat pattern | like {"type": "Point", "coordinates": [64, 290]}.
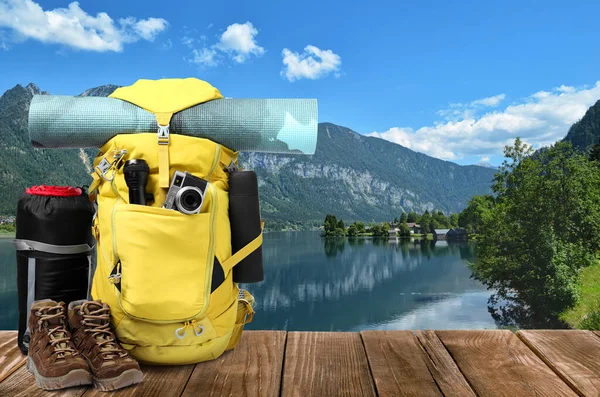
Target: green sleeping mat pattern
{"type": "Point", "coordinates": [247, 125]}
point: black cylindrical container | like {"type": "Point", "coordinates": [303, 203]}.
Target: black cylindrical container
{"type": "Point", "coordinates": [54, 244]}
{"type": "Point", "coordinates": [244, 215]}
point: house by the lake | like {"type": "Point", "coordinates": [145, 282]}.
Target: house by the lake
{"type": "Point", "coordinates": [414, 228]}
{"type": "Point", "coordinates": [450, 234]}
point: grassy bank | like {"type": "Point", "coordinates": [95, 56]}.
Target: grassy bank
{"type": "Point", "coordinates": [586, 313]}
{"type": "Point", "coordinates": [4, 234]}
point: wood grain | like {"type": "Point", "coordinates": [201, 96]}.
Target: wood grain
{"type": "Point", "coordinates": [326, 364]}
{"type": "Point", "coordinates": [11, 357]}
{"type": "Point", "coordinates": [398, 364]}
{"type": "Point", "coordinates": [157, 382]}
{"type": "Point", "coordinates": [252, 368]}
{"type": "Point", "coordinates": [443, 368]}
{"type": "Point", "coordinates": [497, 363]}
{"type": "Point", "coordinates": [574, 355]}
{"type": "Point", "coordinates": [21, 383]}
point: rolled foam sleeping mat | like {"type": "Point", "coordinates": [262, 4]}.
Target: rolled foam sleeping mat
{"type": "Point", "coordinates": [54, 248]}
{"type": "Point", "coordinates": [248, 125]}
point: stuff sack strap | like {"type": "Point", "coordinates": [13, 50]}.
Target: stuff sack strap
{"type": "Point", "coordinates": [29, 245]}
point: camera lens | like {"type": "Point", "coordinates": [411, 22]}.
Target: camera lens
{"type": "Point", "coordinates": [189, 200]}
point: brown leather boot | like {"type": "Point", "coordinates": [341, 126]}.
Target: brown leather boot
{"type": "Point", "coordinates": [112, 367]}
{"type": "Point", "coordinates": [52, 357]}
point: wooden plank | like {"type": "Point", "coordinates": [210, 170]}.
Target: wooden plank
{"type": "Point", "coordinates": [22, 384]}
{"type": "Point", "coordinates": [157, 382]}
{"type": "Point", "coordinates": [326, 364]}
{"type": "Point", "coordinates": [398, 364]}
{"type": "Point", "coordinates": [11, 357]}
{"type": "Point", "coordinates": [253, 368]}
{"type": "Point", "coordinates": [497, 363]}
{"type": "Point", "coordinates": [443, 368]}
{"type": "Point", "coordinates": [573, 355]}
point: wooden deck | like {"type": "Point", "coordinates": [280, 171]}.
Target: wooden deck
{"type": "Point", "coordinates": [370, 363]}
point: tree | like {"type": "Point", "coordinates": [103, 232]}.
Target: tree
{"type": "Point", "coordinates": [595, 152]}
{"type": "Point", "coordinates": [425, 222]}
{"type": "Point", "coordinates": [340, 225]}
{"type": "Point", "coordinates": [411, 217]}
{"type": "Point", "coordinates": [352, 230]}
{"type": "Point", "coordinates": [478, 209]}
{"type": "Point", "coordinates": [403, 218]}
{"type": "Point", "coordinates": [453, 220]}
{"type": "Point", "coordinates": [330, 224]}
{"type": "Point", "coordinates": [403, 230]}
{"type": "Point", "coordinates": [360, 227]}
{"type": "Point", "coordinates": [543, 227]}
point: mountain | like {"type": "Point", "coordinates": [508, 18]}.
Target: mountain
{"type": "Point", "coordinates": [352, 176]}
{"type": "Point", "coordinates": [21, 165]}
{"type": "Point", "coordinates": [361, 178]}
{"type": "Point", "coordinates": [103, 90]}
{"type": "Point", "coordinates": [586, 132]}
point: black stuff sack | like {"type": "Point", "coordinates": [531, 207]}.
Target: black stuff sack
{"type": "Point", "coordinates": [54, 246]}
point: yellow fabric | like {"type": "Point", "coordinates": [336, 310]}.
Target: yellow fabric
{"type": "Point", "coordinates": [163, 165]}
{"type": "Point", "coordinates": [165, 312]}
{"type": "Point", "coordinates": [163, 98]}
{"type": "Point", "coordinates": [167, 96]}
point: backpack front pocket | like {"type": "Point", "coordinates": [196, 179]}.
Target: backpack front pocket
{"type": "Point", "coordinates": [166, 261]}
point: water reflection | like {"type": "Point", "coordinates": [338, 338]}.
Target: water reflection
{"type": "Point", "coordinates": [318, 284]}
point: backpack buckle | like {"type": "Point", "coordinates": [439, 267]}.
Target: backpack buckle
{"type": "Point", "coordinates": [163, 134]}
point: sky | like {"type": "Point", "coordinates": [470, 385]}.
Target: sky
{"type": "Point", "coordinates": [454, 80]}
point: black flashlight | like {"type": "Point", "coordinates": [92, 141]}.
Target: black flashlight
{"type": "Point", "coordinates": [136, 176]}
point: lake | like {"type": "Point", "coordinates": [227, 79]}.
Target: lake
{"type": "Point", "coordinates": [317, 284]}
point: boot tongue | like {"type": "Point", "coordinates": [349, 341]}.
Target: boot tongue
{"type": "Point", "coordinates": [100, 337]}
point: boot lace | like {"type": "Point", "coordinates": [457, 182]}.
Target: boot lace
{"type": "Point", "coordinates": [97, 322]}
{"type": "Point", "coordinates": [59, 336]}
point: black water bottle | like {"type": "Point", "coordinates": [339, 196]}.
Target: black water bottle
{"type": "Point", "coordinates": [244, 215]}
{"type": "Point", "coordinates": [136, 176]}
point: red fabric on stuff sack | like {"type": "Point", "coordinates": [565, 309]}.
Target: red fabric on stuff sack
{"type": "Point", "coordinates": [57, 191]}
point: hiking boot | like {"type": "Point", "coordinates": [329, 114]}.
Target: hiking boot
{"type": "Point", "coordinates": [112, 366]}
{"type": "Point", "coordinates": [52, 356]}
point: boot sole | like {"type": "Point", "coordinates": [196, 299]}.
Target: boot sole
{"type": "Point", "coordinates": [76, 377]}
{"type": "Point", "coordinates": [127, 378]}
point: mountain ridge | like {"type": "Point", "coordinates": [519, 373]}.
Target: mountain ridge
{"type": "Point", "coordinates": [354, 176]}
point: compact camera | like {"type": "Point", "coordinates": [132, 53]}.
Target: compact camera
{"type": "Point", "coordinates": [186, 193]}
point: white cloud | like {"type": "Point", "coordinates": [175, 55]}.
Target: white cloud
{"type": "Point", "coordinates": [73, 27]}
{"type": "Point", "coordinates": [313, 63]}
{"type": "Point", "coordinates": [205, 56]}
{"type": "Point", "coordinates": [238, 42]}
{"type": "Point", "coordinates": [491, 101]}
{"type": "Point", "coordinates": [540, 120]}
{"type": "Point", "coordinates": [484, 159]}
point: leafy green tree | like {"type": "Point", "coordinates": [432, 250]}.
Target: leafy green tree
{"type": "Point", "coordinates": [403, 230]}
{"type": "Point", "coordinates": [412, 217]}
{"type": "Point", "coordinates": [595, 152]}
{"type": "Point", "coordinates": [425, 221]}
{"type": "Point", "coordinates": [360, 227]}
{"type": "Point", "coordinates": [352, 230]}
{"type": "Point", "coordinates": [340, 225]}
{"type": "Point", "coordinates": [543, 228]}
{"type": "Point", "coordinates": [478, 209]}
{"type": "Point", "coordinates": [453, 220]}
{"type": "Point", "coordinates": [403, 218]}
{"type": "Point", "coordinates": [330, 224]}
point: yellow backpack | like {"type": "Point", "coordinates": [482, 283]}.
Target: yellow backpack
{"type": "Point", "coordinates": [167, 276]}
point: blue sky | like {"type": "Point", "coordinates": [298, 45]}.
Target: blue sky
{"type": "Point", "coordinates": [455, 80]}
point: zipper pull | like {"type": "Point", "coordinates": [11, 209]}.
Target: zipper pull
{"type": "Point", "coordinates": [180, 332]}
